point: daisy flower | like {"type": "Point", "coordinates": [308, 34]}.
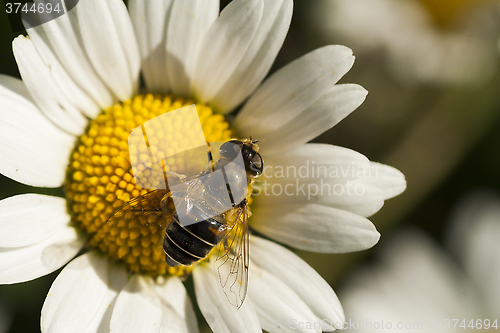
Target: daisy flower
{"type": "Point", "coordinates": [428, 41]}
{"type": "Point", "coordinates": [419, 285]}
{"type": "Point", "coordinates": [67, 124]}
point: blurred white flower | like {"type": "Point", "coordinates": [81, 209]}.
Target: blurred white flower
{"type": "Point", "coordinates": [417, 286]}
{"type": "Point", "coordinates": [438, 41]}
{"type": "Point", "coordinates": [84, 62]}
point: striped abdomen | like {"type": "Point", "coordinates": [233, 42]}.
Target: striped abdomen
{"type": "Point", "coordinates": [186, 245]}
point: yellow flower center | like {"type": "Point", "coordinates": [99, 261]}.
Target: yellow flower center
{"type": "Point", "coordinates": [445, 12]}
{"type": "Point", "coordinates": [100, 180]}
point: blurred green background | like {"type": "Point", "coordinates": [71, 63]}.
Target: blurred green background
{"type": "Point", "coordinates": [445, 139]}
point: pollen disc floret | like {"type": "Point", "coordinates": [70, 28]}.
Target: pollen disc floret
{"type": "Point", "coordinates": [99, 180]}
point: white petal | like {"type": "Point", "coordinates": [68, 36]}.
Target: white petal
{"type": "Point", "coordinates": [388, 179]}
{"type": "Point", "coordinates": [219, 313]}
{"type": "Point", "coordinates": [276, 304]}
{"type": "Point", "coordinates": [65, 84]}
{"type": "Point", "coordinates": [79, 295]}
{"type": "Point", "coordinates": [150, 20]}
{"type": "Point", "coordinates": [43, 84]}
{"type": "Point", "coordinates": [138, 307]}
{"type": "Point", "coordinates": [224, 46]}
{"type": "Point", "coordinates": [315, 228]}
{"type": "Point", "coordinates": [189, 23]}
{"type": "Point", "coordinates": [33, 151]}
{"type": "Point", "coordinates": [177, 311]}
{"type": "Point", "coordinates": [320, 174]}
{"type": "Point", "coordinates": [259, 57]}
{"type": "Point", "coordinates": [30, 218]}
{"type": "Point", "coordinates": [304, 281]}
{"type": "Point", "coordinates": [337, 103]}
{"type": "Point", "coordinates": [59, 40]}
{"type": "Point", "coordinates": [293, 89]}
{"type": "Point", "coordinates": [117, 279]}
{"type": "Point", "coordinates": [21, 264]}
{"type": "Point", "coordinates": [347, 162]}
{"type": "Point", "coordinates": [110, 43]}
{"type": "Point", "coordinates": [353, 196]}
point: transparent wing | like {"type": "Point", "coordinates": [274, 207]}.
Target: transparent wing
{"type": "Point", "coordinates": [232, 260]}
{"type": "Point", "coordinates": [200, 198]}
{"type": "Point", "coordinates": [143, 210]}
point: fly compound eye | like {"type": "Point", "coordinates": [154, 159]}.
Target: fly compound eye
{"type": "Point", "coordinates": [256, 165]}
{"type": "Point", "coordinates": [230, 150]}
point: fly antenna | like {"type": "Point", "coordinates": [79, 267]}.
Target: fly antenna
{"type": "Point", "coordinates": [251, 136]}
